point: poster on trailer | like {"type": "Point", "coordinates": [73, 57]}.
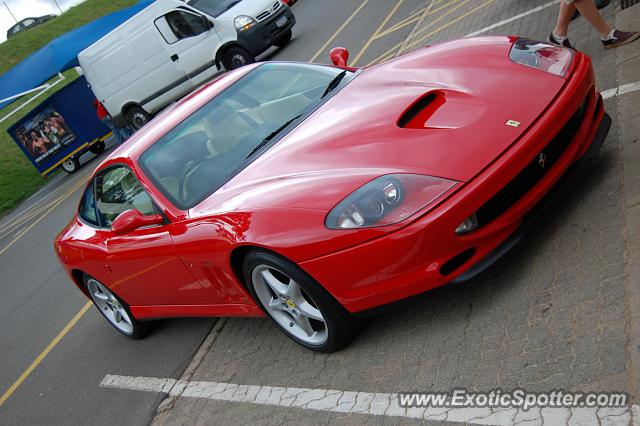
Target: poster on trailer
{"type": "Point", "coordinates": [44, 134]}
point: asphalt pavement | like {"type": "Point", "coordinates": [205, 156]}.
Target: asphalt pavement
{"type": "Point", "coordinates": [54, 351]}
{"type": "Point", "coordinates": [560, 311]}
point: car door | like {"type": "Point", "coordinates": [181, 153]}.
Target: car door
{"type": "Point", "coordinates": [191, 43]}
{"type": "Point", "coordinates": [142, 265]}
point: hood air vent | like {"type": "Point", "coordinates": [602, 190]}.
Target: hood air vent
{"type": "Point", "coordinates": [416, 116]}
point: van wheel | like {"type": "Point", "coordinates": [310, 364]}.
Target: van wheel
{"type": "Point", "coordinates": [71, 165]}
{"type": "Point", "coordinates": [236, 57]}
{"type": "Point", "coordinates": [284, 39]}
{"type": "Point", "coordinates": [97, 148]}
{"type": "Point", "coordinates": [136, 117]}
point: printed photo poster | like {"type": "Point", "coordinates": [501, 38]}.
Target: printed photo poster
{"type": "Point", "coordinates": [44, 134]}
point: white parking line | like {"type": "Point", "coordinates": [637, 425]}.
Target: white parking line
{"type": "Point", "coordinates": [379, 404]}
{"type": "Point", "coordinates": [621, 90]}
{"type": "Point", "coordinates": [513, 18]}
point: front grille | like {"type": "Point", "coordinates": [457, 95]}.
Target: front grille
{"type": "Point", "coordinates": [533, 172]}
{"type": "Point", "coordinates": [272, 9]}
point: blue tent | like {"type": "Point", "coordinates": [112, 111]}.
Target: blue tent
{"type": "Point", "coordinates": [61, 53]}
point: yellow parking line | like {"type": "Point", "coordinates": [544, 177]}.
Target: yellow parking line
{"type": "Point", "coordinates": [338, 31]}
{"type": "Point", "coordinates": [391, 52]}
{"type": "Point", "coordinates": [55, 204]}
{"type": "Point", "coordinates": [44, 353]}
{"type": "Point", "coordinates": [413, 18]}
{"type": "Point", "coordinates": [364, 48]}
{"type": "Point", "coordinates": [37, 207]}
{"type": "Point", "coordinates": [458, 19]}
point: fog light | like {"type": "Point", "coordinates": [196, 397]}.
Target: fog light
{"type": "Point", "coordinates": [470, 224]}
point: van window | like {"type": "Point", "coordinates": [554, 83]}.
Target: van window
{"type": "Point", "coordinates": [184, 24]}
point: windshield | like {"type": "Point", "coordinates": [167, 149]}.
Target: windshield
{"type": "Point", "coordinates": [203, 152]}
{"type": "Point", "coordinates": [213, 7]}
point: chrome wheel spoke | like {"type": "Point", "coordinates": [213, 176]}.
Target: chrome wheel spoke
{"type": "Point", "coordinates": [275, 284]}
{"type": "Point", "coordinates": [306, 309]}
{"type": "Point", "coordinates": [117, 316]}
{"type": "Point", "coordinates": [276, 304]}
{"type": "Point", "coordinates": [305, 325]}
{"type": "Point", "coordinates": [294, 292]}
{"type": "Point", "coordinates": [100, 295]}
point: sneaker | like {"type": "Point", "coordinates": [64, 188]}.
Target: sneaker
{"type": "Point", "coordinates": [620, 38]}
{"type": "Point", "coordinates": [563, 43]}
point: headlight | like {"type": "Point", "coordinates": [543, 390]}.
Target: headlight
{"type": "Point", "coordinates": [544, 56]}
{"type": "Point", "coordinates": [244, 22]}
{"type": "Point", "coordinates": [386, 200]}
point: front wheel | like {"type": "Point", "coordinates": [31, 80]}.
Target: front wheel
{"type": "Point", "coordinates": [298, 305]}
{"type": "Point", "coordinates": [115, 311]}
{"type": "Point", "coordinates": [236, 57]}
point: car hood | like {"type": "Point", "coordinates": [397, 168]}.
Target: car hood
{"type": "Point", "coordinates": [472, 89]}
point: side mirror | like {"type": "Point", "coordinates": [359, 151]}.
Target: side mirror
{"type": "Point", "coordinates": [131, 220]}
{"type": "Point", "coordinates": [207, 23]}
{"type": "Point", "coordinates": [339, 56]}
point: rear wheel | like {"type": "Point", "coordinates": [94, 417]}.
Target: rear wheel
{"type": "Point", "coordinates": [71, 165]}
{"type": "Point", "coordinates": [115, 311]}
{"type": "Point", "coordinates": [136, 117]}
{"type": "Point", "coordinates": [97, 148]}
{"type": "Point", "coordinates": [236, 57]}
{"type": "Point", "coordinates": [297, 304]}
{"type": "Point", "coordinates": [284, 39]}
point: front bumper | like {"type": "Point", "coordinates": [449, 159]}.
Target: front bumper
{"type": "Point", "coordinates": [261, 36]}
{"type": "Point", "coordinates": [427, 253]}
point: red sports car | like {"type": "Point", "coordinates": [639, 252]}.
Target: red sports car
{"type": "Point", "coordinates": [314, 193]}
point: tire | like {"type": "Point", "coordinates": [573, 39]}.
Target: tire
{"type": "Point", "coordinates": [136, 117]}
{"type": "Point", "coordinates": [97, 148]}
{"type": "Point", "coordinates": [296, 303]}
{"type": "Point", "coordinates": [71, 165]}
{"type": "Point", "coordinates": [284, 39]}
{"type": "Point", "coordinates": [235, 57]}
{"type": "Point", "coordinates": [111, 307]}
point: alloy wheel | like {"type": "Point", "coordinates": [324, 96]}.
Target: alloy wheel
{"type": "Point", "coordinates": [110, 306]}
{"type": "Point", "coordinates": [286, 302]}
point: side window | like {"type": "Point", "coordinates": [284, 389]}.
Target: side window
{"type": "Point", "coordinates": [87, 209]}
{"type": "Point", "coordinates": [118, 190]}
{"type": "Point", "coordinates": [184, 24]}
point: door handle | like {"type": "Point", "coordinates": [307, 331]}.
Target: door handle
{"type": "Point", "coordinates": [174, 57]}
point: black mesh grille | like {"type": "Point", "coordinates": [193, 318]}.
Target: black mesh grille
{"type": "Point", "coordinates": [628, 3]}
{"type": "Point", "coordinates": [532, 173]}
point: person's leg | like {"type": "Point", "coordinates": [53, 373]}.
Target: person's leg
{"type": "Point", "coordinates": [564, 18]}
{"type": "Point", "coordinates": [587, 9]}
{"type": "Point", "coordinates": [114, 129]}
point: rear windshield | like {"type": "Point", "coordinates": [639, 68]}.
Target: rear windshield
{"type": "Point", "coordinates": [213, 7]}
{"type": "Point", "coordinates": [204, 151]}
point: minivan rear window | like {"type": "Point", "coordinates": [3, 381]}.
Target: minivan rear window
{"type": "Point", "coordinates": [213, 7]}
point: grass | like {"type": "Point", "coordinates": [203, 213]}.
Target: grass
{"type": "Point", "coordinates": [18, 177]}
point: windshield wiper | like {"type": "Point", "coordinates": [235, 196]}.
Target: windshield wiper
{"type": "Point", "coordinates": [334, 83]}
{"type": "Point", "coordinates": [271, 135]}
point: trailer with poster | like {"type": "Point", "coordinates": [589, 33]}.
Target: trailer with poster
{"type": "Point", "coordinates": [60, 129]}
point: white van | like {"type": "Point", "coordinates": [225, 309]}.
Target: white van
{"type": "Point", "coordinates": [172, 46]}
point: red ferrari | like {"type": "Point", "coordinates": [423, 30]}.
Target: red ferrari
{"type": "Point", "coordinates": [312, 194]}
